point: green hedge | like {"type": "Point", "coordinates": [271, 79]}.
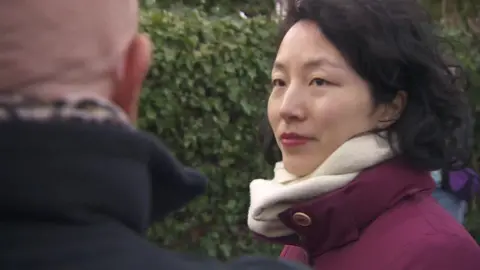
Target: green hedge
{"type": "Point", "coordinates": [249, 7]}
{"type": "Point", "coordinates": [466, 47]}
{"type": "Point", "coordinates": [204, 97]}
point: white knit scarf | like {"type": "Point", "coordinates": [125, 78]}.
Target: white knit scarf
{"type": "Point", "coordinates": [268, 198]}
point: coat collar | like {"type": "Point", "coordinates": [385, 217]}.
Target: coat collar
{"type": "Point", "coordinates": [338, 218]}
{"type": "Point", "coordinates": [73, 171]}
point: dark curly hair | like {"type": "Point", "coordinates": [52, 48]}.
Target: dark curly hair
{"type": "Point", "coordinates": [392, 45]}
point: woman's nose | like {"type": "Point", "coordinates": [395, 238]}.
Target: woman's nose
{"type": "Point", "coordinates": [293, 106]}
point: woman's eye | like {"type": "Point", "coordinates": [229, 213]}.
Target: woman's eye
{"type": "Point", "coordinates": [278, 83]}
{"type": "Point", "coordinates": [318, 82]}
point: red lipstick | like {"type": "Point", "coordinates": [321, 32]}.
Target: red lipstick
{"type": "Point", "coordinates": [293, 139]}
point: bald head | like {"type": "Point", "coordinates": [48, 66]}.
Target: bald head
{"type": "Point", "coordinates": [64, 44]}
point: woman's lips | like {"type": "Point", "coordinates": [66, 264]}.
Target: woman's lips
{"type": "Point", "coordinates": [293, 142]}
{"type": "Point", "coordinates": [293, 139]}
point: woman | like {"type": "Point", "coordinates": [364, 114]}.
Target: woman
{"type": "Point", "coordinates": [362, 107]}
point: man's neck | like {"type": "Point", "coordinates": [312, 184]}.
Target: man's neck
{"type": "Point", "coordinates": [83, 106]}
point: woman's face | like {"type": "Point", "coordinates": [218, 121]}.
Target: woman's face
{"type": "Point", "coordinates": [318, 101]}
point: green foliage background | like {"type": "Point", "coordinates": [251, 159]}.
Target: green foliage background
{"type": "Point", "coordinates": [204, 97]}
{"type": "Point", "coordinates": [249, 7]}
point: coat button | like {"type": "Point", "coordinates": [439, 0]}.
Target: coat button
{"type": "Point", "coordinates": [301, 219]}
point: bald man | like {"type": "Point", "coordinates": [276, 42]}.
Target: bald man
{"type": "Point", "coordinates": [79, 185]}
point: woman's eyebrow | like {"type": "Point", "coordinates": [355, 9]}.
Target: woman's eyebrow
{"type": "Point", "coordinates": [310, 64]}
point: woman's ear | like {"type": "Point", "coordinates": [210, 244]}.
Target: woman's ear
{"type": "Point", "coordinates": [391, 112]}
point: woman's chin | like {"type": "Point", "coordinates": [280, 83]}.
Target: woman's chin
{"type": "Point", "coordinates": [299, 167]}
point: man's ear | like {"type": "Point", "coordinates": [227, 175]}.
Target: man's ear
{"type": "Point", "coordinates": [391, 112]}
{"type": "Point", "coordinates": [131, 74]}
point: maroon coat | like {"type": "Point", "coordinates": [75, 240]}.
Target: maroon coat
{"type": "Point", "coordinates": [383, 220]}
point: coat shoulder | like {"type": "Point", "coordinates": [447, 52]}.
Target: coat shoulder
{"type": "Point", "coordinates": [441, 252]}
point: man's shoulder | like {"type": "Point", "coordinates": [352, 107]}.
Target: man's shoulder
{"type": "Point", "coordinates": [106, 247]}
{"type": "Point", "coordinates": [257, 263]}
{"type": "Point", "coordinates": [189, 261]}
{"type": "Point", "coordinates": [179, 260]}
